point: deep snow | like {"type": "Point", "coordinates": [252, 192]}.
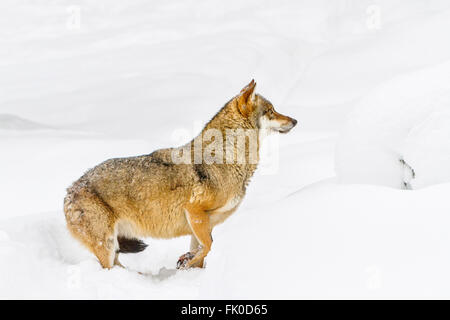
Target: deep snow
{"type": "Point", "coordinates": [132, 76]}
{"type": "Point", "coordinates": [404, 118]}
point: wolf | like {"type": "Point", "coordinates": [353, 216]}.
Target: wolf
{"type": "Point", "coordinates": [118, 202]}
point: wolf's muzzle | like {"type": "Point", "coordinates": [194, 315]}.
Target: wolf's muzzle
{"type": "Point", "coordinates": [290, 123]}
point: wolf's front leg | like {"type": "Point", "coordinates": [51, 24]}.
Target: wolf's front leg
{"type": "Point", "coordinates": [201, 239]}
{"type": "Point", "coordinates": [195, 245]}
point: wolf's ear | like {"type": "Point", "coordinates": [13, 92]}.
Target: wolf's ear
{"type": "Point", "coordinates": [244, 98]}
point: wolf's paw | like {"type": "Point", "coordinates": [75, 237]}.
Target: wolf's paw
{"type": "Point", "coordinates": [184, 259]}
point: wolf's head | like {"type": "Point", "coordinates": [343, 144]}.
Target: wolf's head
{"type": "Point", "coordinates": [261, 112]}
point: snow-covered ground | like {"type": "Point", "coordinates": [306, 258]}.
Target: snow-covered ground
{"type": "Point", "coordinates": [83, 81]}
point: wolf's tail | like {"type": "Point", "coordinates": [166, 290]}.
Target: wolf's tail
{"type": "Point", "coordinates": [130, 245]}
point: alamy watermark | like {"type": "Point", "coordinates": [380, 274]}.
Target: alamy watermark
{"type": "Point", "coordinates": [374, 277]}
{"type": "Point", "coordinates": [73, 21]}
{"type": "Point", "coordinates": [373, 20]}
{"type": "Point", "coordinates": [74, 277]}
{"type": "Point", "coordinates": [229, 146]}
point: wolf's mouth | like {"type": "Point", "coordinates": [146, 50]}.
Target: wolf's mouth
{"type": "Point", "coordinates": [283, 131]}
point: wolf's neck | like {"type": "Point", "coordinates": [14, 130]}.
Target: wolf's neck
{"type": "Point", "coordinates": [229, 117]}
{"type": "Point", "coordinates": [229, 144]}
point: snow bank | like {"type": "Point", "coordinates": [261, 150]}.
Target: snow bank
{"type": "Point", "coordinates": [325, 241]}
{"type": "Point", "coordinates": [42, 261]}
{"type": "Point", "coordinates": [397, 121]}
{"type": "Point", "coordinates": [427, 149]}
{"type": "Point", "coordinates": [331, 241]}
{"type": "Point", "coordinates": [13, 122]}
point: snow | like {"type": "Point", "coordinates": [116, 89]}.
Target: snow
{"type": "Point", "coordinates": [399, 120]}
{"type": "Point", "coordinates": [81, 82]}
{"type": "Point", "coordinates": [427, 150]}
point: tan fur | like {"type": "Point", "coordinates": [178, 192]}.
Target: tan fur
{"type": "Point", "coordinates": [151, 196]}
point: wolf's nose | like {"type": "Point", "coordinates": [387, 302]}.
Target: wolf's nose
{"type": "Point", "coordinates": [294, 122]}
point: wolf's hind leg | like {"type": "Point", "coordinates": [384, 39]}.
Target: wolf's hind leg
{"type": "Point", "coordinates": [116, 260]}
{"type": "Point", "coordinates": [201, 229]}
{"type": "Point", "coordinates": [91, 222]}
{"type": "Point", "coordinates": [105, 256]}
{"type": "Point", "coordinates": [101, 243]}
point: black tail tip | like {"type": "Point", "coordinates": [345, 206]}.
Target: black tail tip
{"type": "Point", "coordinates": [131, 245]}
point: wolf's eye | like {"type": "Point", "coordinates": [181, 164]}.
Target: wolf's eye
{"type": "Point", "coordinates": [268, 113]}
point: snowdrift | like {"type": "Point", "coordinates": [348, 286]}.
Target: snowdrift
{"type": "Point", "coordinates": [326, 241]}
{"type": "Point", "coordinates": [398, 135]}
